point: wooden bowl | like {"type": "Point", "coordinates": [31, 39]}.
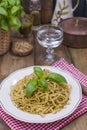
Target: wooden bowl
{"type": "Point", "coordinates": [75, 32]}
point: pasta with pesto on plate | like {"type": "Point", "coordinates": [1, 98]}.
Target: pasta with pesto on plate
{"type": "Point", "coordinates": [41, 92]}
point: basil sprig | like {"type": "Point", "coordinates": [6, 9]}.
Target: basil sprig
{"type": "Point", "coordinates": [43, 83]}
{"type": "Point", "coordinates": [38, 71]}
{"type": "Point", "coordinates": [59, 79]}
{"type": "Point", "coordinates": [31, 87]}
{"type": "Point", "coordinates": [40, 81]}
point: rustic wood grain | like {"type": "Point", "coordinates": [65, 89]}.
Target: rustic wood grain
{"type": "Point", "coordinates": [77, 124]}
{"type": "Point", "coordinates": [10, 63]}
{"type": "Point", "coordinates": [3, 125]}
{"type": "Point", "coordinates": [79, 57]}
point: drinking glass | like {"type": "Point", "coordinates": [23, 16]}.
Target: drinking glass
{"type": "Point", "coordinates": [50, 37]}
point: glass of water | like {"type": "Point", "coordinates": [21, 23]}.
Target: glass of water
{"type": "Point", "coordinates": [50, 37]}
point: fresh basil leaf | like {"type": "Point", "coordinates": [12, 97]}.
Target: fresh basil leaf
{"type": "Point", "coordinates": [18, 2]}
{"type": "Point", "coordinates": [4, 24]}
{"type": "Point", "coordinates": [56, 78]}
{"type": "Point", "coordinates": [31, 87]}
{"type": "Point", "coordinates": [14, 9]}
{"type": "Point", "coordinates": [14, 21]}
{"type": "Point", "coordinates": [38, 71]}
{"type": "Point", "coordinates": [11, 11]}
{"type": "Point", "coordinates": [11, 2]}
{"type": "Point", "coordinates": [4, 4]}
{"type": "Point", "coordinates": [43, 83]}
{"type": "Point", "coordinates": [3, 11]}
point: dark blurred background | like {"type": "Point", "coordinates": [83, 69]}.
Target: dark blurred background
{"type": "Point", "coordinates": [48, 7]}
{"type": "Point", "coordinates": [82, 8]}
{"type": "Point", "coordinates": [80, 11]}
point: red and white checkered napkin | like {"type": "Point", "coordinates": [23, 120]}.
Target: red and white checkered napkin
{"type": "Point", "coordinates": [57, 125]}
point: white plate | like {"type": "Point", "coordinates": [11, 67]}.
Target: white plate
{"type": "Point", "coordinates": [7, 105]}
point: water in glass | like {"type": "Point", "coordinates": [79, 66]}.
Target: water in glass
{"type": "Point", "coordinates": [50, 37]}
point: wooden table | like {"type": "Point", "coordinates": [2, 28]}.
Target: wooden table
{"type": "Point", "coordinates": [10, 63]}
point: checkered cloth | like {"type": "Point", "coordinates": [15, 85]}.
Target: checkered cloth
{"type": "Point", "coordinates": [57, 125]}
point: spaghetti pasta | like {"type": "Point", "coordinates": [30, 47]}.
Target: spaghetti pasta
{"type": "Point", "coordinates": [41, 102]}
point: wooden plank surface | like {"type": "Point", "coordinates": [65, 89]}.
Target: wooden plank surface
{"type": "Point", "coordinates": [79, 57]}
{"type": "Point", "coordinates": [77, 124]}
{"type": "Point", "coordinates": [10, 63]}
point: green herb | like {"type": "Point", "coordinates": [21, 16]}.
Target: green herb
{"type": "Point", "coordinates": [31, 87]}
{"type": "Point", "coordinates": [10, 11]}
{"type": "Point", "coordinates": [43, 83]}
{"type": "Point", "coordinates": [40, 81]}
{"type": "Point", "coordinates": [38, 71]}
{"type": "Point", "coordinates": [56, 78]}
